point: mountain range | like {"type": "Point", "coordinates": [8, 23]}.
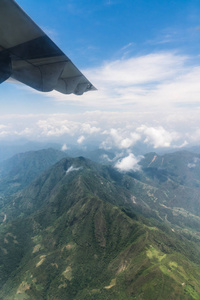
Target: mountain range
{"type": "Point", "coordinates": [72, 228]}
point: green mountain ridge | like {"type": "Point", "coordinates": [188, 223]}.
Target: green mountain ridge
{"type": "Point", "coordinates": [85, 231]}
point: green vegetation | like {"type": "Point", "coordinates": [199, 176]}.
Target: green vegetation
{"type": "Point", "coordinates": [93, 233]}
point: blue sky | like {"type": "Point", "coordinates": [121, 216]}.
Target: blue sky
{"type": "Point", "coordinates": [93, 31]}
{"type": "Point", "coordinates": [144, 58]}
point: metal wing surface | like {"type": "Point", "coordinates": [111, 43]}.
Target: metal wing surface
{"type": "Point", "coordinates": [28, 55]}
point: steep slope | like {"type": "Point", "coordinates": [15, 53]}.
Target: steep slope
{"type": "Point", "coordinates": [61, 182]}
{"type": "Point", "coordinates": [168, 188]}
{"type": "Point", "coordinates": [182, 166]}
{"type": "Point", "coordinates": [73, 234]}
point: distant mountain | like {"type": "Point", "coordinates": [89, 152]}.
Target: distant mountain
{"type": "Point", "coordinates": [9, 149]}
{"type": "Point", "coordinates": [85, 231]}
{"type": "Point", "coordinates": [20, 170]}
{"type": "Point", "coordinates": [170, 186]}
{"type": "Point", "coordinates": [195, 149]}
{"type": "Point", "coordinates": [97, 155]}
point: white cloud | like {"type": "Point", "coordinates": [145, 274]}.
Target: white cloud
{"type": "Point", "coordinates": [141, 69]}
{"type": "Point", "coordinates": [130, 141]}
{"type": "Point", "coordinates": [81, 139]}
{"type": "Point", "coordinates": [120, 138]}
{"type": "Point", "coordinates": [72, 168]}
{"type": "Point", "coordinates": [87, 128]}
{"type": "Point", "coordinates": [57, 126]}
{"type": "Point", "coordinates": [126, 129]}
{"type": "Point", "coordinates": [129, 163]}
{"type": "Point", "coordinates": [147, 79]}
{"type": "Point", "coordinates": [64, 147]}
{"type": "Point", "coordinates": [158, 137]}
{"type": "Point", "coordinates": [53, 127]}
{"type": "Point", "coordinates": [194, 136]}
{"type": "Point", "coordinates": [152, 83]}
{"type": "Point", "coordinates": [160, 90]}
{"type": "Point", "coordinates": [4, 130]}
{"type": "Point", "coordinates": [4, 133]}
{"type": "Point", "coordinates": [27, 132]}
{"type": "Point", "coordinates": [185, 143]}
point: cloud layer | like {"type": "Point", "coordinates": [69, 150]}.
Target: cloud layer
{"type": "Point", "coordinates": [151, 99]}
{"type": "Point", "coordinates": [163, 78]}
{"type": "Point", "coordinates": [124, 133]}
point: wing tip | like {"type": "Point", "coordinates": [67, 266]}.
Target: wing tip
{"type": "Point", "coordinates": [92, 88]}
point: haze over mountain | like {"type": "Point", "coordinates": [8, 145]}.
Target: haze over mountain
{"type": "Point", "coordinates": [18, 171]}
{"type": "Point", "coordinates": [82, 230]}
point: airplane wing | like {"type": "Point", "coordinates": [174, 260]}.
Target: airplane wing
{"type": "Point", "coordinates": [28, 55]}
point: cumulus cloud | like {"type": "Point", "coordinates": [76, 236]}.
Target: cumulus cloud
{"type": "Point", "coordinates": [124, 133]}
{"type": "Point", "coordinates": [53, 127]}
{"type": "Point", "coordinates": [129, 163]}
{"type": "Point", "coordinates": [56, 126]}
{"type": "Point", "coordinates": [158, 136]}
{"type": "Point", "coordinates": [81, 139]}
{"type": "Point", "coordinates": [64, 147]}
{"type": "Point", "coordinates": [120, 138]}
{"type": "Point", "coordinates": [87, 128]}
{"type": "Point", "coordinates": [27, 132]}
{"type": "Point", "coordinates": [130, 141]}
